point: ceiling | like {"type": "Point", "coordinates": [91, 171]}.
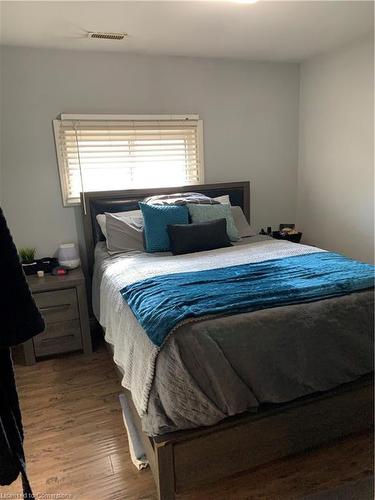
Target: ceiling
{"type": "Point", "coordinates": [267, 30]}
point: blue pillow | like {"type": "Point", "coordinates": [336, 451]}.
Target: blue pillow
{"type": "Point", "coordinates": [157, 218]}
{"type": "Point", "coordinates": [205, 213]}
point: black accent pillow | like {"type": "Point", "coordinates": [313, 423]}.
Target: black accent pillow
{"type": "Point", "coordinates": [198, 237]}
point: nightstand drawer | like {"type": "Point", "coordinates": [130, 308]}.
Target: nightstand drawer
{"type": "Point", "coordinates": [58, 305]}
{"type": "Point", "coordinates": [62, 301]}
{"type": "Point", "coordinates": [61, 315]}
{"type": "Point", "coordinates": [59, 337]}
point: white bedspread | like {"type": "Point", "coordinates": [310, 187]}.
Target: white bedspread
{"type": "Point", "coordinates": [133, 350]}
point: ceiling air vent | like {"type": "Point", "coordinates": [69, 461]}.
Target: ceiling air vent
{"type": "Point", "coordinates": [107, 36]}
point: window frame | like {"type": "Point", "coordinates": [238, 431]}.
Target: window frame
{"type": "Point", "coordinates": [111, 117]}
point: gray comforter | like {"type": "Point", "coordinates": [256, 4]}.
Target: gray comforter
{"type": "Point", "coordinates": [269, 356]}
{"type": "Point", "coordinates": [222, 366]}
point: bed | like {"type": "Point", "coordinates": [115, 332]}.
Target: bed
{"type": "Point", "coordinates": [200, 404]}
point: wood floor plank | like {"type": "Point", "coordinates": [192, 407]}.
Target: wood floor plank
{"type": "Point", "coordinates": [76, 445]}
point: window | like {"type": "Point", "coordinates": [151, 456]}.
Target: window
{"type": "Point", "coordinates": [109, 152]}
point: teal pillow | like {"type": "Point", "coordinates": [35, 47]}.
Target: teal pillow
{"type": "Point", "coordinates": [204, 213]}
{"type": "Point", "coordinates": [156, 219]}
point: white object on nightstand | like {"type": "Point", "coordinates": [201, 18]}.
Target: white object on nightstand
{"type": "Point", "coordinates": [68, 256]}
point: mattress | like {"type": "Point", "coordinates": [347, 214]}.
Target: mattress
{"type": "Point", "coordinates": [221, 366]}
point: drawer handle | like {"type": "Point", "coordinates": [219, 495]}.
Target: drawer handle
{"type": "Point", "coordinates": [60, 307]}
{"type": "Point", "coordinates": [48, 340]}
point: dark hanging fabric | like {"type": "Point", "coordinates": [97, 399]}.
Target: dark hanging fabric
{"type": "Point", "coordinates": [20, 320]}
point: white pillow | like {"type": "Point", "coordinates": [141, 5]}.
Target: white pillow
{"type": "Point", "coordinates": [223, 199]}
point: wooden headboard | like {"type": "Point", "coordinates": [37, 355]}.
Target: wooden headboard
{"type": "Point", "coordinates": [98, 202]}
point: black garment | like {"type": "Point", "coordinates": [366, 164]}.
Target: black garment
{"type": "Point", "coordinates": [20, 320]}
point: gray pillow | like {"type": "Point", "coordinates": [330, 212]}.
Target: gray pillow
{"type": "Point", "coordinates": [241, 223]}
{"type": "Point", "coordinates": [134, 217]}
{"type": "Point", "coordinates": [123, 235]}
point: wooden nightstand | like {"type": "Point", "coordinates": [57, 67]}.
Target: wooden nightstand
{"type": "Point", "coordinates": [62, 302]}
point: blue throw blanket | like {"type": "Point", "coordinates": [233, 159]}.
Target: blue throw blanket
{"type": "Point", "coordinates": [160, 303]}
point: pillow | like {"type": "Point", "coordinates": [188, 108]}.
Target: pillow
{"type": "Point", "coordinates": [130, 216]}
{"type": "Point", "coordinates": [133, 216]}
{"type": "Point", "coordinates": [122, 235]}
{"type": "Point", "coordinates": [179, 199]}
{"type": "Point", "coordinates": [157, 218]}
{"type": "Point", "coordinates": [239, 218]}
{"type": "Point", "coordinates": [100, 219]}
{"type": "Point", "coordinates": [241, 223]}
{"type": "Point", "coordinates": [204, 213]}
{"type": "Point", "coordinates": [223, 199]}
{"type": "Point", "coordinates": [198, 237]}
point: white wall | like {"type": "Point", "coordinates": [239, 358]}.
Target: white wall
{"type": "Point", "coordinates": [336, 159]}
{"type": "Point", "coordinates": [250, 113]}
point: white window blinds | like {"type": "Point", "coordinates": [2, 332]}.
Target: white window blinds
{"type": "Point", "coordinates": [109, 154]}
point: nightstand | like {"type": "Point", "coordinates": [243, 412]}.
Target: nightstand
{"type": "Point", "coordinates": [62, 302]}
{"type": "Point", "coordinates": [294, 238]}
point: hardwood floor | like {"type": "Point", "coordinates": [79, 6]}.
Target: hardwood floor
{"type": "Point", "coordinates": [76, 445]}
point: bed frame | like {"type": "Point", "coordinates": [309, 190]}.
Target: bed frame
{"type": "Point", "coordinates": [182, 460]}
